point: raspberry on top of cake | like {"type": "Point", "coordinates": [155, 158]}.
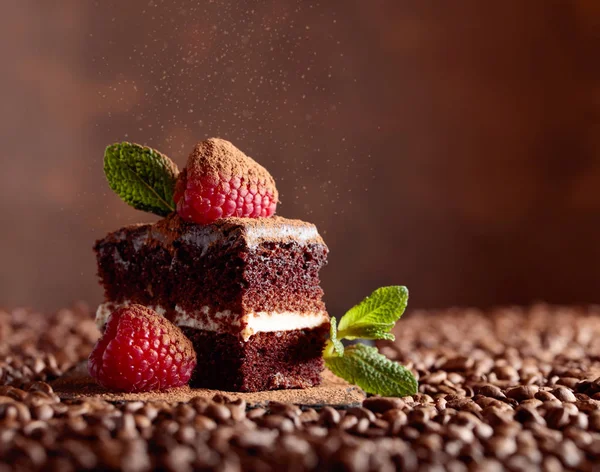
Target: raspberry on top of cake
{"type": "Point", "coordinates": [220, 181]}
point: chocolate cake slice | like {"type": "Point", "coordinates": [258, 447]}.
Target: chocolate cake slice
{"type": "Point", "coordinates": [246, 291]}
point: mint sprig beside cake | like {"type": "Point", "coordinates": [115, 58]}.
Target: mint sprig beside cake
{"type": "Point", "coordinates": [239, 282]}
{"type": "Point", "coordinates": [362, 365]}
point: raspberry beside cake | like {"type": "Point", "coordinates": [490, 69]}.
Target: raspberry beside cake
{"type": "Point", "coordinates": [246, 291]}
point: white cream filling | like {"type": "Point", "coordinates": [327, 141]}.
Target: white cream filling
{"type": "Point", "coordinates": [254, 322]}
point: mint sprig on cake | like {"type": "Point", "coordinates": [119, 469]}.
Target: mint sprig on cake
{"type": "Point", "coordinates": [143, 177]}
{"type": "Point", "coordinates": [239, 282]}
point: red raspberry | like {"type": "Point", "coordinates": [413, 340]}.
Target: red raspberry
{"type": "Point", "coordinates": [141, 351]}
{"type": "Point", "coordinates": [221, 181]}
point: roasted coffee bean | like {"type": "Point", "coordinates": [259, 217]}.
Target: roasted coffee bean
{"type": "Point", "coordinates": [580, 437]}
{"type": "Point", "coordinates": [82, 453]}
{"type": "Point", "coordinates": [184, 413]}
{"type": "Point", "coordinates": [569, 382]}
{"type": "Point", "coordinates": [348, 422]}
{"type": "Point", "coordinates": [12, 392]}
{"type": "Point", "coordinates": [316, 432]}
{"type": "Point", "coordinates": [23, 413]}
{"type": "Point", "coordinates": [284, 409]}
{"type": "Point", "coordinates": [459, 363]}
{"type": "Point", "coordinates": [594, 421]}
{"type": "Point", "coordinates": [485, 402]}
{"type": "Point", "coordinates": [507, 372]}
{"type": "Point", "coordinates": [352, 459]}
{"type": "Point", "coordinates": [522, 393]}
{"type": "Point", "coordinates": [261, 438]}
{"type": "Point", "coordinates": [220, 398]}
{"type": "Point", "coordinates": [491, 391]}
{"type": "Point", "coordinates": [545, 396]}
{"type": "Point", "coordinates": [218, 412]}
{"type": "Point", "coordinates": [409, 433]}
{"type": "Point", "coordinates": [329, 416]}
{"type": "Point", "coordinates": [557, 417]}
{"type": "Point", "coordinates": [126, 427]}
{"type": "Point", "coordinates": [509, 429]}
{"type": "Point", "coordinates": [79, 409]}
{"type": "Point", "coordinates": [282, 423]}
{"type": "Point", "coordinates": [585, 405]}
{"type": "Point", "coordinates": [204, 423]}
{"type": "Point", "coordinates": [461, 433]}
{"type": "Point", "coordinates": [5, 399]}
{"type": "Point", "coordinates": [497, 416]}
{"type": "Point", "coordinates": [42, 412]}
{"type": "Point", "coordinates": [256, 413]}
{"type": "Point", "coordinates": [309, 416]}
{"type": "Point", "coordinates": [238, 409]}
{"type": "Point", "coordinates": [419, 416]}
{"type": "Point", "coordinates": [421, 398]}
{"type": "Point", "coordinates": [149, 411]}
{"type": "Point", "coordinates": [483, 430]}
{"type": "Point", "coordinates": [33, 427]}
{"type": "Point", "coordinates": [361, 413]}
{"type": "Point", "coordinates": [434, 378]}
{"type": "Point", "coordinates": [432, 442]}
{"type": "Point", "coordinates": [186, 434]}
{"type": "Point", "coordinates": [440, 403]}
{"type": "Point", "coordinates": [563, 394]}
{"type": "Point", "coordinates": [381, 405]}
{"type": "Point", "coordinates": [142, 422]}
{"type": "Point", "coordinates": [395, 425]}
{"type": "Point", "coordinates": [569, 454]}
{"type": "Point", "coordinates": [501, 446]}
{"type": "Point", "coordinates": [524, 414]}
{"type": "Point", "coordinates": [40, 386]}
{"type": "Point", "coordinates": [532, 403]}
{"type": "Point", "coordinates": [360, 427]}
{"type": "Point", "coordinates": [134, 407]}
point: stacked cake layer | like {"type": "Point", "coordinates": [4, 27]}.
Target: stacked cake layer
{"type": "Point", "coordinates": [246, 291]}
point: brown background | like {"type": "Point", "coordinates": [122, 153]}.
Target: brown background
{"type": "Point", "coordinates": [450, 146]}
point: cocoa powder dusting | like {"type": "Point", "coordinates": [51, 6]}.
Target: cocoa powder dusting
{"type": "Point", "coordinates": [77, 384]}
{"type": "Point", "coordinates": [220, 157]}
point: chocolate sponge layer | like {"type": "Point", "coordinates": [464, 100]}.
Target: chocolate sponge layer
{"type": "Point", "coordinates": [240, 264]}
{"type": "Point", "coordinates": [267, 361]}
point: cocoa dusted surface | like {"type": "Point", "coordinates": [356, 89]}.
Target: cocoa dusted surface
{"type": "Point", "coordinates": [332, 391]}
{"type": "Point", "coordinates": [514, 389]}
{"type": "Point", "coordinates": [267, 361]}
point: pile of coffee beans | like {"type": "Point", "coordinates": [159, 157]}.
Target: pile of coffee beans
{"type": "Point", "coordinates": [511, 389]}
{"type": "Point", "coordinates": [35, 346]}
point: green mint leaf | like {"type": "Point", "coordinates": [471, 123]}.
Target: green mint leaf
{"type": "Point", "coordinates": [141, 176]}
{"type": "Point", "coordinates": [368, 332]}
{"type": "Point", "coordinates": [375, 316]}
{"type": "Point", "coordinates": [334, 345]}
{"type": "Point", "coordinates": [373, 372]}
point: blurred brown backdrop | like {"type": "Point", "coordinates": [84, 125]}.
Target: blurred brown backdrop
{"type": "Point", "coordinates": [450, 146]}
